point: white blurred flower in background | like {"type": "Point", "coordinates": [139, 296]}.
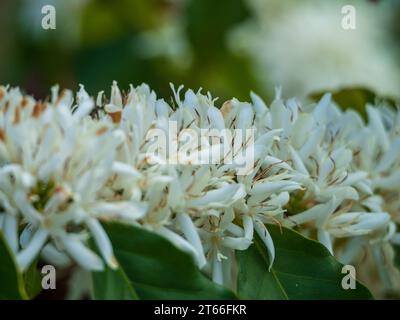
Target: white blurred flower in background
{"type": "Point", "coordinates": [302, 46]}
{"type": "Point", "coordinates": [167, 41]}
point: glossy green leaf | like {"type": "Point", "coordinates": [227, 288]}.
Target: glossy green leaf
{"type": "Point", "coordinates": [154, 268]}
{"type": "Point", "coordinates": [33, 280]}
{"type": "Point", "coordinates": [396, 249]}
{"type": "Point", "coordinates": [11, 279]}
{"type": "Point", "coordinates": [112, 285]}
{"type": "Point", "coordinates": [303, 269]}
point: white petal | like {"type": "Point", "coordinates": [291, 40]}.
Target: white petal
{"type": "Point", "coordinates": [81, 254]}
{"type": "Point", "coordinates": [116, 97]}
{"type": "Point", "coordinates": [280, 200]}
{"type": "Point", "coordinates": [190, 232]}
{"type": "Point", "coordinates": [216, 118]}
{"type": "Point", "coordinates": [221, 197]}
{"type": "Point", "coordinates": [321, 110]}
{"type": "Point", "coordinates": [380, 258]}
{"type": "Point", "coordinates": [234, 229]}
{"type": "Point", "coordinates": [373, 203]}
{"type": "Point", "coordinates": [30, 213]}
{"type": "Point", "coordinates": [10, 230]}
{"type": "Point", "coordinates": [124, 209]}
{"type": "Point", "coordinates": [52, 255]}
{"type": "Point", "coordinates": [217, 274]}
{"type": "Point", "coordinates": [273, 187]}
{"type": "Point", "coordinates": [315, 213]}
{"type": "Point", "coordinates": [267, 138]}
{"type": "Point", "coordinates": [272, 161]}
{"type": "Point", "coordinates": [245, 117]}
{"type": "Point", "coordinates": [325, 238]}
{"type": "Point", "coordinates": [125, 169]}
{"type": "Point", "coordinates": [375, 121]}
{"type": "Point", "coordinates": [297, 162]}
{"type": "Point", "coordinates": [389, 182]}
{"type": "Point", "coordinates": [27, 255]}
{"type": "Point", "coordinates": [390, 156]}
{"type": "Point", "coordinates": [85, 104]}
{"type": "Point", "coordinates": [178, 241]}
{"type": "Point", "coordinates": [313, 140]}
{"type": "Point", "coordinates": [355, 177]}
{"type": "Point", "coordinates": [301, 129]}
{"type": "Point", "coordinates": [248, 227]}
{"type": "Point", "coordinates": [103, 242]}
{"type": "Point", "coordinates": [340, 193]}
{"type": "Point", "coordinates": [373, 221]}
{"type": "Point", "coordinates": [364, 187]}
{"type": "Point", "coordinates": [351, 250]}
{"type": "Point", "coordinates": [258, 104]}
{"type": "Point", "coordinates": [236, 243]}
{"type": "Point", "coordinates": [26, 236]}
{"type": "Point", "coordinates": [266, 238]}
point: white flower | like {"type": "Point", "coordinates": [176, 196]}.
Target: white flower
{"type": "Point", "coordinates": [303, 46]}
{"type": "Point", "coordinates": [54, 163]}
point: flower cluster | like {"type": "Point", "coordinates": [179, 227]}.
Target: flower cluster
{"type": "Point", "coordinates": [66, 165]}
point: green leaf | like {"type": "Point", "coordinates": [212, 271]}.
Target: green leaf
{"type": "Point", "coordinates": [11, 279]}
{"type": "Point", "coordinates": [222, 16]}
{"type": "Point", "coordinates": [354, 98]}
{"type": "Point", "coordinates": [33, 280]}
{"type": "Point", "coordinates": [303, 269]}
{"type": "Point", "coordinates": [154, 268]}
{"type": "Point", "coordinates": [396, 249]}
{"type": "Point", "coordinates": [112, 285]}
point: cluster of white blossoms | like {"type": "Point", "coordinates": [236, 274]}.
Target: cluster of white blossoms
{"type": "Point", "coordinates": [67, 165]}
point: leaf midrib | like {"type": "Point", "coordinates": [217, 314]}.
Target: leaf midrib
{"type": "Point", "coordinates": [257, 243]}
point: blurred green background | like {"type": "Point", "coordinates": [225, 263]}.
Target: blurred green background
{"type": "Point", "coordinates": [228, 47]}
